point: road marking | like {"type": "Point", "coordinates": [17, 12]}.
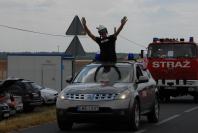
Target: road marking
{"type": "Point", "coordinates": [140, 131]}
{"type": "Point", "coordinates": [192, 109]}
{"type": "Point", "coordinates": [168, 119]}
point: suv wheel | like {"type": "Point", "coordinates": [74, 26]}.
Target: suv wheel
{"type": "Point", "coordinates": [64, 125]}
{"type": "Point", "coordinates": [153, 116]}
{"type": "Point", "coordinates": [134, 117]}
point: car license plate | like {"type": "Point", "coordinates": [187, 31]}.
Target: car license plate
{"type": "Point", "coordinates": [6, 115]}
{"type": "Point", "coordinates": [87, 108]}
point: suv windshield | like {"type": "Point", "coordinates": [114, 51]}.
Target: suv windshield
{"type": "Point", "coordinates": [37, 86]}
{"type": "Point", "coordinates": [106, 73]}
{"type": "Point", "coordinates": [172, 50]}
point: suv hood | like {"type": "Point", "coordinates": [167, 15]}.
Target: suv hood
{"type": "Point", "coordinates": [93, 88]}
{"type": "Point", "coordinates": [49, 91]}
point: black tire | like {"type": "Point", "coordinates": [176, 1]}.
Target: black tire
{"type": "Point", "coordinates": [164, 99]}
{"type": "Point", "coordinates": [167, 99]}
{"type": "Point", "coordinates": [134, 117]}
{"type": "Point", "coordinates": [196, 98]}
{"type": "Point", "coordinates": [64, 125]}
{"type": "Point", "coordinates": [161, 98]}
{"type": "Point", "coordinates": [153, 116]}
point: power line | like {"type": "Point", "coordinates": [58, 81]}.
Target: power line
{"type": "Point", "coordinates": [25, 30]}
{"type": "Point", "coordinates": [138, 44]}
{"type": "Point", "coordinates": [56, 35]}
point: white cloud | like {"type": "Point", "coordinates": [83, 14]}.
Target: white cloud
{"type": "Point", "coordinates": [146, 19]}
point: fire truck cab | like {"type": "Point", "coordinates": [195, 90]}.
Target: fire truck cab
{"type": "Point", "coordinates": [173, 63]}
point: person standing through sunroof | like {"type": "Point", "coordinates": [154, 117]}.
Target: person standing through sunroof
{"type": "Point", "coordinates": [106, 42]}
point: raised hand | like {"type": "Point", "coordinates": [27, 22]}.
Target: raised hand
{"type": "Point", "coordinates": [124, 20]}
{"type": "Point", "coordinates": [83, 21]}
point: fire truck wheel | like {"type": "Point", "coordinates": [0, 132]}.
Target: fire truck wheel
{"type": "Point", "coordinates": [196, 98]}
{"type": "Point", "coordinates": [167, 99]}
{"type": "Point", "coordinates": [164, 99]}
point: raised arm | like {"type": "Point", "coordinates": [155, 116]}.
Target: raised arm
{"type": "Point", "coordinates": [86, 29]}
{"type": "Point", "coordinates": [123, 22]}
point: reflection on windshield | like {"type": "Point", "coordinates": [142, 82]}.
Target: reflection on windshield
{"type": "Point", "coordinates": [104, 73]}
{"type": "Point", "coordinates": [172, 50]}
{"type": "Point", "coordinates": [37, 86]}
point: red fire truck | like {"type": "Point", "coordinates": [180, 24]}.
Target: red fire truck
{"type": "Point", "coordinates": [174, 65]}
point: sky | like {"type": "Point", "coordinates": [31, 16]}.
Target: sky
{"type": "Point", "coordinates": [146, 19]}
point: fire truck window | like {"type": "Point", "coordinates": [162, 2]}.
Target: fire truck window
{"type": "Point", "coordinates": [170, 53]}
{"type": "Point", "coordinates": [172, 50]}
{"type": "Point", "coordinates": [157, 51]}
{"type": "Point", "coordinates": [184, 51]}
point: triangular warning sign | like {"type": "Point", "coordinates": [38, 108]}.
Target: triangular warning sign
{"type": "Point", "coordinates": [75, 48]}
{"type": "Point", "coordinates": [76, 27]}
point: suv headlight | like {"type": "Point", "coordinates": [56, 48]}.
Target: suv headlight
{"type": "Point", "coordinates": [123, 95]}
{"type": "Point", "coordinates": [62, 95]}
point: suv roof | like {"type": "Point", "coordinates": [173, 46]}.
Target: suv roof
{"type": "Point", "coordinates": [10, 81]}
{"type": "Point", "coordinates": [112, 63]}
{"type": "Point", "coordinates": [27, 81]}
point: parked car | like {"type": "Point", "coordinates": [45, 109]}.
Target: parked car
{"type": "Point", "coordinates": [6, 98]}
{"type": "Point", "coordinates": [4, 108]}
{"type": "Point", "coordinates": [48, 95]}
{"type": "Point", "coordinates": [118, 92]}
{"type": "Point", "coordinates": [4, 111]}
{"type": "Point", "coordinates": [18, 103]}
{"type": "Point", "coordinates": [31, 96]}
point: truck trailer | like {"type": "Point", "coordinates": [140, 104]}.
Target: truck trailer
{"type": "Point", "coordinates": [49, 70]}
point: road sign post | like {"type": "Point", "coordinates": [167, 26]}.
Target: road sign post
{"type": "Point", "coordinates": [76, 28]}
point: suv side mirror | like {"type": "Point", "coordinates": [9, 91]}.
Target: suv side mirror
{"type": "Point", "coordinates": [69, 79]}
{"type": "Point", "coordinates": [143, 79]}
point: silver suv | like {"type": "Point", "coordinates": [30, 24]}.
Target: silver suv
{"type": "Point", "coordinates": [120, 91]}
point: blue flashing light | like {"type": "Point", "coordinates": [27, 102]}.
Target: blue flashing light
{"type": "Point", "coordinates": [130, 56]}
{"type": "Point", "coordinates": [97, 57]}
{"type": "Point", "coordinates": [191, 39]}
{"type": "Point", "coordinates": [155, 39]}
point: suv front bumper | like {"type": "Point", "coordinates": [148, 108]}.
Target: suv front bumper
{"type": "Point", "coordinates": [105, 114]}
{"type": "Point", "coordinates": [112, 110]}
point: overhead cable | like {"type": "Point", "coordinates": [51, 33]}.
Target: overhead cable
{"type": "Point", "coordinates": [57, 35]}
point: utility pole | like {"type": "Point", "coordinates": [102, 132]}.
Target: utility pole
{"type": "Point", "coordinates": [58, 47]}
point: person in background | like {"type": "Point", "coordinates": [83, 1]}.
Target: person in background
{"type": "Point", "coordinates": [106, 42]}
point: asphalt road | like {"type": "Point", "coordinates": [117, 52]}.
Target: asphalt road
{"type": "Point", "coordinates": [178, 116]}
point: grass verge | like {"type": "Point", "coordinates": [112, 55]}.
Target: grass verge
{"type": "Point", "coordinates": [41, 115]}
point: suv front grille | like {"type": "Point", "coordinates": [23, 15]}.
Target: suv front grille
{"type": "Point", "coordinates": [91, 97]}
